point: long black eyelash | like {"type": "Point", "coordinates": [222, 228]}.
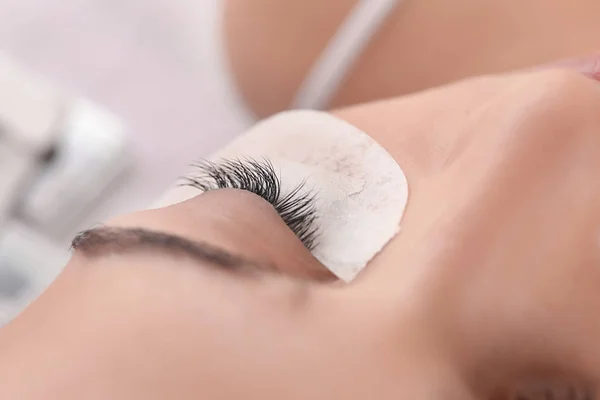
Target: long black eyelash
{"type": "Point", "coordinates": [296, 208]}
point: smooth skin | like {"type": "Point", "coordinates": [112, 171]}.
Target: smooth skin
{"type": "Point", "coordinates": [492, 285]}
{"type": "Point", "coordinates": [272, 44]}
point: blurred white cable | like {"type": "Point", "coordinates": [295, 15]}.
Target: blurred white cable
{"type": "Point", "coordinates": [342, 51]}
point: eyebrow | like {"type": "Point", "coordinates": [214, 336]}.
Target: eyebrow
{"type": "Point", "coordinates": [104, 241]}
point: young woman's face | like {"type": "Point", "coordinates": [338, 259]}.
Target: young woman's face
{"type": "Point", "coordinates": [489, 291]}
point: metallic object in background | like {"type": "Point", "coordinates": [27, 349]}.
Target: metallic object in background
{"type": "Point", "coordinates": [30, 109]}
{"type": "Point", "coordinates": [29, 262]}
{"type": "Point", "coordinates": [90, 154]}
{"type": "Point", "coordinates": [59, 156]}
{"type": "Point", "coordinates": [29, 112]}
{"type": "Point", "coordinates": [15, 170]}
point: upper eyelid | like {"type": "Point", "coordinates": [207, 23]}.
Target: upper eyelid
{"type": "Point", "coordinates": [296, 208]}
{"type": "Point", "coordinates": [103, 241]}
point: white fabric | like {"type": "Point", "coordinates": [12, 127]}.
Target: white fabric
{"type": "Point", "coordinates": [330, 69]}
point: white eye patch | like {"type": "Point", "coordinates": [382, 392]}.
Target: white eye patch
{"type": "Point", "coordinates": [360, 192]}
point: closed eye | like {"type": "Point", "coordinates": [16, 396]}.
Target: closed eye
{"type": "Point", "coordinates": [295, 207]}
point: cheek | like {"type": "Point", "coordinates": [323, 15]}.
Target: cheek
{"type": "Point", "coordinates": [253, 341]}
{"type": "Point", "coordinates": [235, 335]}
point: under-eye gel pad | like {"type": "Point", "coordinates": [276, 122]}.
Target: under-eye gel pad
{"type": "Point", "coordinates": [360, 192]}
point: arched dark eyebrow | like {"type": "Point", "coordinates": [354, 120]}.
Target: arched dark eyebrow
{"type": "Point", "coordinates": [103, 241]}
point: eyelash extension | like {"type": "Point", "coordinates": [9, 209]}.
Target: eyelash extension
{"type": "Point", "coordinates": [296, 208]}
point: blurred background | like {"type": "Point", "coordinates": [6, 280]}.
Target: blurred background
{"type": "Point", "coordinates": [103, 103]}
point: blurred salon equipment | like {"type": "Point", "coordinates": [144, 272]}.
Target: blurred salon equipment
{"type": "Point", "coordinates": [60, 156]}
